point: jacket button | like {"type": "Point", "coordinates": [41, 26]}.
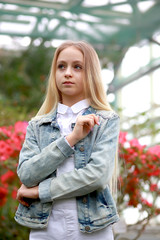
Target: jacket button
{"type": "Point", "coordinates": [84, 200]}
{"type": "Point", "coordinates": [87, 228]}
{"type": "Point", "coordinates": [81, 149]}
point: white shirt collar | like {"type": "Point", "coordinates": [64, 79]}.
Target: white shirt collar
{"type": "Point", "coordinates": [77, 107]}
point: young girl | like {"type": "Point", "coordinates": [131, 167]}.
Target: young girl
{"type": "Point", "coordinates": [68, 157]}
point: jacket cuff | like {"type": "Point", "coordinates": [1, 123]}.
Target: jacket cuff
{"type": "Point", "coordinates": [68, 142]}
{"type": "Point", "coordinates": [44, 191]}
{"type": "Point", "coordinates": [64, 147]}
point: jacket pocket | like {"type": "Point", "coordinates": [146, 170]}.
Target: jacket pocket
{"type": "Point", "coordinates": [35, 213]}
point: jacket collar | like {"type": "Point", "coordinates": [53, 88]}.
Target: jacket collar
{"type": "Point", "coordinates": [90, 110]}
{"type": "Point", "coordinates": [48, 118]}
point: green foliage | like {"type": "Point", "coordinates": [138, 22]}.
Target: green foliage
{"type": "Point", "coordinates": [23, 77]}
{"type": "Point", "coordinates": [13, 231]}
{"type": "Point", "coordinates": [10, 114]}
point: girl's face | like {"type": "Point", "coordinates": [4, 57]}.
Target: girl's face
{"type": "Point", "coordinates": [69, 75]}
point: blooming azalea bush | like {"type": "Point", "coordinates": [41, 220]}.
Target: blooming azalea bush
{"type": "Point", "coordinates": [139, 178]}
{"type": "Point", "coordinates": [11, 140]}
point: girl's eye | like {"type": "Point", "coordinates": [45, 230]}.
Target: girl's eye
{"type": "Point", "coordinates": [78, 67]}
{"type": "Point", "coordinates": [61, 66]}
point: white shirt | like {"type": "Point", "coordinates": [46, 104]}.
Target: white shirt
{"type": "Point", "coordinates": [68, 115]}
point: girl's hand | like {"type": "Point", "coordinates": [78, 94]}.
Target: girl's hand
{"type": "Point", "coordinates": [83, 126]}
{"type": "Point", "coordinates": [25, 193]}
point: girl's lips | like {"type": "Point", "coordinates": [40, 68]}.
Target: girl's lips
{"type": "Point", "coordinates": [67, 82]}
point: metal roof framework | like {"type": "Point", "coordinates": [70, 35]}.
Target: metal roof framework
{"type": "Point", "coordinates": [109, 25]}
{"type": "Point", "coordinates": [121, 22]}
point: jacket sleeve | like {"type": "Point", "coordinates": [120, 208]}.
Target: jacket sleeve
{"type": "Point", "coordinates": [95, 175]}
{"type": "Point", "coordinates": [35, 165]}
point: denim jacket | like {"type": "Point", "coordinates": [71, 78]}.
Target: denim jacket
{"type": "Point", "coordinates": [44, 149]}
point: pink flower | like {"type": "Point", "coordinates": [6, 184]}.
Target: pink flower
{"type": "Point", "coordinates": [143, 158]}
{"type": "Point", "coordinates": [155, 150]}
{"type": "Point", "coordinates": [14, 193]}
{"type": "Point", "coordinates": [3, 194]}
{"type": "Point", "coordinates": [153, 187]}
{"type": "Point", "coordinates": [5, 150]}
{"type": "Point", "coordinates": [11, 140]}
{"type": "Point", "coordinates": [122, 137]}
{"type": "Point", "coordinates": [147, 203]}
{"type": "Point", "coordinates": [155, 173]}
{"type": "Point", "coordinates": [8, 177]}
{"type": "Point", "coordinates": [20, 127]}
{"type": "Point", "coordinates": [135, 143]}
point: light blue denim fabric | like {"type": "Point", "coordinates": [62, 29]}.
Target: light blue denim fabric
{"type": "Point", "coordinates": [45, 149]}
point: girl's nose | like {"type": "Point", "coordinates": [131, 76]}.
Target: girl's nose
{"type": "Point", "coordinates": [68, 72]}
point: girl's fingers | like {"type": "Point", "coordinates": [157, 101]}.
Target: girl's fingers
{"type": "Point", "coordinates": [88, 122]}
{"type": "Point", "coordinates": [83, 126]}
{"type": "Point", "coordinates": [21, 199]}
{"type": "Point", "coordinates": [23, 202]}
{"type": "Point", "coordinates": [90, 119]}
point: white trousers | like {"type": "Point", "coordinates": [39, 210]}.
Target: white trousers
{"type": "Point", "coordinates": [63, 225]}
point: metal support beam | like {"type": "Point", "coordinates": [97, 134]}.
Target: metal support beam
{"type": "Point", "coordinates": [117, 84]}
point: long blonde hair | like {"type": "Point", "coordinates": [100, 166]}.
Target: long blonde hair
{"type": "Point", "coordinates": [93, 85]}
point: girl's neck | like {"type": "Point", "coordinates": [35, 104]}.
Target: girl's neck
{"type": "Point", "coordinates": [71, 102]}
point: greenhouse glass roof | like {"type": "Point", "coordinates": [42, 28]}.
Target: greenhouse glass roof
{"type": "Point", "coordinates": [119, 23]}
